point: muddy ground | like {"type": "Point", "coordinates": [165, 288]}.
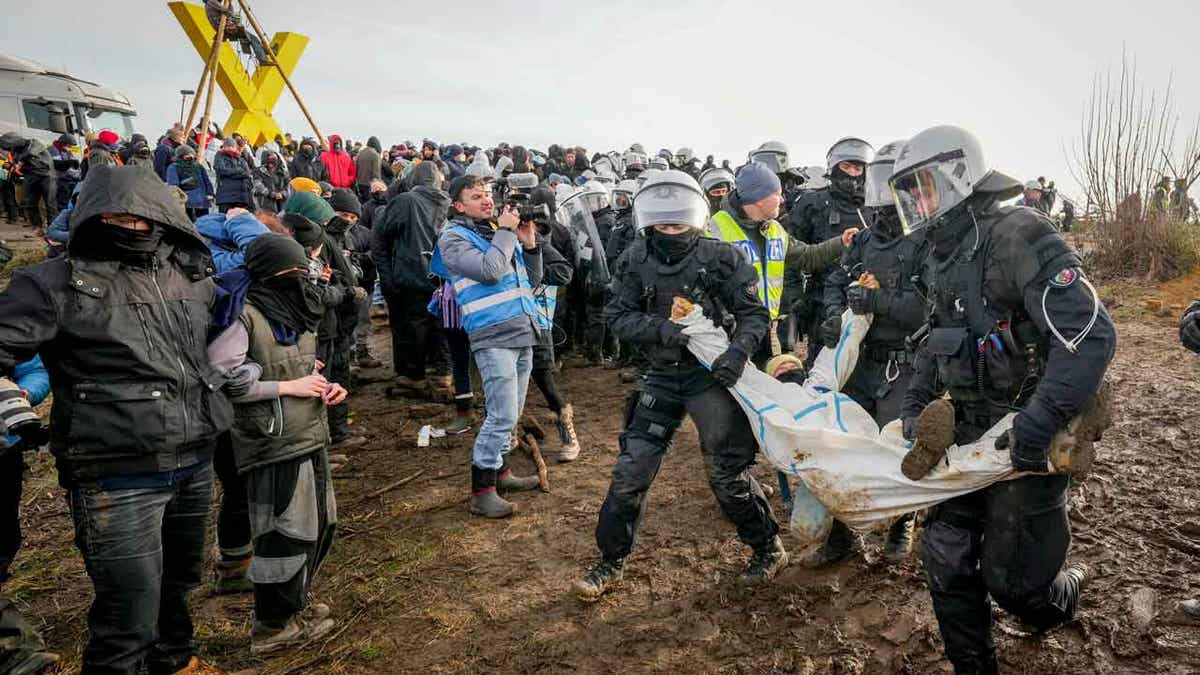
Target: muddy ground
{"type": "Point", "coordinates": [417, 585]}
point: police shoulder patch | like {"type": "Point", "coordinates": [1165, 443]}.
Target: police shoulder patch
{"type": "Point", "coordinates": [1066, 277]}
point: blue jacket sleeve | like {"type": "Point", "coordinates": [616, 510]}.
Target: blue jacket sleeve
{"type": "Point", "coordinates": [31, 376]}
{"type": "Point", "coordinates": [172, 176]}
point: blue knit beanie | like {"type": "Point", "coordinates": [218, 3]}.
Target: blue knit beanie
{"type": "Point", "coordinates": [755, 181]}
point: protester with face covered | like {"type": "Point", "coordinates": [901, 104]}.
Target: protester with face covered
{"type": "Point", "coordinates": [307, 164]}
{"type": "Point", "coordinates": [271, 182]}
{"type": "Point", "coordinates": [187, 174]}
{"type": "Point", "coordinates": [355, 245]}
{"type": "Point", "coordinates": [235, 178]}
{"type": "Point", "coordinates": [34, 166]}
{"type": "Point", "coordinates": [368, 167]}
{"type": "Point", "coordinates": [120, 324]}
{"type": "Point", "coordinates": [281, 439]}
{"type": "Point", "coordinates": [338, 163]}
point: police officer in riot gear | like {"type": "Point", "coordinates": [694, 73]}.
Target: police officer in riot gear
{"type": "Point", "coordinates": [817, 216]}
{"type": "Point", "coordinates": [716, 183]}
{"type": "Point", "coordinates": [884, 368]}
{"type": "Point", "coordinates": [672, 260]}
{"type": "Point", "coordinates": [1014, 326]}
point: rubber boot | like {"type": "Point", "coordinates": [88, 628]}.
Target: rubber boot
{"type": "Point", "coordinates": [566, 434]}
{"type": "Point", "coordinates": [898, 544]}
{"type": "Point", "coordinates": [484, 500]}
{"type": "Point", "coordinates": [765, 564]}
{"type": "Point", "coordinates": [509, 482]}
{"type": "Point", "coordinates": [841, 544]}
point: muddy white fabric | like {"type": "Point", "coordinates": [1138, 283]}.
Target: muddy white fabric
{"type": "Point", "coordinates": [850, 467]}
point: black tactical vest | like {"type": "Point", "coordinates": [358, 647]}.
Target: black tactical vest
{"type": "Point", "coordinates": [894, 263]}
{"type": "Point", "coordinates": [697, 278]}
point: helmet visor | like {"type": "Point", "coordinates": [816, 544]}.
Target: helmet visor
{"type": "Point", "coordinates": [877, 191]}
{"type": "Point", "coordinates": [670, 204]}
{"type": "Point", "coordinates": [775, 161]}
{"type": "Point", "coordinates": [925, 192]}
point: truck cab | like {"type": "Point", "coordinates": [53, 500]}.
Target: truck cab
{"type": "Point", "coordinates": [41, 103]}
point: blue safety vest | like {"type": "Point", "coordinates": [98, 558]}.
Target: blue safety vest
{"type": "Point", "coordinates": [485, 305]}
{"type": "Point", "coordinates": [546, 298]}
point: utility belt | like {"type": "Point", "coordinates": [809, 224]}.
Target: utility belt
{"type": "Point", "coordinates": [886, 354]}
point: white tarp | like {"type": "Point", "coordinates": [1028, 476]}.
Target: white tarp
{"type": "Point", "coordinates": [829, 442]}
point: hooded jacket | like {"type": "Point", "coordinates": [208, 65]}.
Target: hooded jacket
{"type": "Point", "coordinates": [368, 165]}
{"type": "Point", "coordinates": [235, 179]}
{"type": "Point", "coordinates": [134, 392]}
{"type": "Point", "coordinates": [268, 183]}
{"type": "Point", "coordinates": [339, 164]}
{"type": "Point", "coordinates": [308, 166]}
{"type": "Point", "coordinates": [404, 236]}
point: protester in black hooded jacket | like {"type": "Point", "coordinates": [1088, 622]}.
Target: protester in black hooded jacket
{"type": "Point", "coordinates": [35, 166]}
{"type": "Point", "coordinates": [120, 323]}
{"type": "Point", "coordinates": [308, 163]}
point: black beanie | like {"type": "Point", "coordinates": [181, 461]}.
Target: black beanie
{"type": "Point", "coordinates": [303, 230]}
{"type": "Point", "coordinates": [271, 253]}
{"type": "Point", "coordinates": [346, 201]}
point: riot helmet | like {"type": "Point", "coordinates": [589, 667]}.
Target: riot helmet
{"type": "Point", "coordinates": [716, 183]}
{"type": "Point", "coordinates": [659, 163]}
{"type": "Point", "coordinates": [684, 156]}
{"type": "Point", "coordinates": [848, 181]}
{"type": "Point", "coordinates": [773, 154]}
{"type": "Point", "coordinates": [879, 208]}
{"type": "Point", "coordinates": [939, 169]}
{"type": "Point", "coordinates": [623, 194]}
{"type": "Point", "coordinates": [635, 161]}
{"type": "Point", "coordinates": [670, 198]}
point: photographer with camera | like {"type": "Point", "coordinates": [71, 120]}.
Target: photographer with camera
{"type": "Point", "coordinates": [493, 266]}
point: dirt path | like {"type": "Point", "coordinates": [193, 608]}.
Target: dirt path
{"type": "Point", "coordinates": [419, 586]}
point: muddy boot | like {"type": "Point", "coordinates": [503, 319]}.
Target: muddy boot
{"type": "Point", "coordinates": [363, 358]}
{"type": "Point", "coordinates": [231, 577]}
{"type": "Point", "coordinates": [509, 482]}
{"type": "Point", "coordinates": [1079, 575]}
{"type": "Point", "coordinates": [599, 577]}
{"type": "Point", "coordinates": [764, 564]}
{"type": "Point", "coordinates": [347, 442]}
{"type": "Point", "coordinates": [403, 386]}
{"type": "Point", "coordinates": [935, 433]}
{"type": "Point", "coordinates": [898, 544]}
{"type": "Point", "coordinates": [484, 500]}
{"type": "Point", "coordinates": [441, 389]}
{"type": "Point", "coordinates": [22, 650]}
{"type": "Point", "coordinates": [1191, 607]}
{"type": "Point", "coordinates": [1072, 450]}
{"type": "Point", "coordinates": [566, 434]}
{"type": "Point", "coordinates": [841, 544]}
{"type": "Point", "coordinates": [629, 376]}
{"type": "Point", "coordinates": [265, 639]}
{"type": "Point", "coordinates": [461, 424]}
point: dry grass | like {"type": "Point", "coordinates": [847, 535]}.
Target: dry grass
{"type": "Point", "coordinates": [1155, 249]}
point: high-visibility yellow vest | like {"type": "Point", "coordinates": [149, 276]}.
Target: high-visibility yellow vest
{"type": "Point", "coordinates": [770, 285]}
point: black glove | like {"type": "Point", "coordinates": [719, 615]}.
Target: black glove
{"type": "Point", "coordinates": [33, 434]}
{"type": "Point", "coordinates": [672, 335]}
{"type": "Point", "coordinates": [728, 367]}
{"type": "Point", "coordinates": [831, 330]}
{"type": "Point", "coordinates": [1189, 331]}
{"type": "Point", "coordinates": [910, 429]}
{"type": "Point", "coordinates": [860, 299]}
{"type": "Point", "coordinates": [1024, 457]}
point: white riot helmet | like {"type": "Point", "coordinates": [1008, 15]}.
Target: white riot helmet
{"type": "Point", "coordinates": [659, 163]}
{"type": "Point", "coordinates": [683, 156]}
{"type": "Point", "coordinates": [635, 160]}
{"type": "Point", "coordinates": [713, 177]}
{"type": "Point", "coordinates": [606, 176]}
{"type": "Point", "coordinates": [849, 149]}
{"type": "Point", "coordinates": [877, 192]}
{"type": "Point", "coordinates": [937, 170]}
{"type": "Point", "coordinates": [593, 196]}
{"type": "Point", "coordinates": [503, 163]}
{"type": "Point", "coordinates": [773, 154]}
{"type": "Point", "coordinates": [618, 162]}
{"type": "Point", "coordinates": [670, 198]}
{"type": "Point", "coordinates": [603, 163]}
{"type": "Point", "coordinates": [647, 175]}
{"type": "Point", "coordinates": [480, 167]}
{"type": "Point", "coordinates": [623, 194]}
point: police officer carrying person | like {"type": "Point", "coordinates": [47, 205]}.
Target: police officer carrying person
{"type": "Point", "coordinates": [1014, 326]}
{"type": "Point", "coordinates": [817, 216]}
{"type": "Point", "coordinates": [884, 368]}
{"type": "Point", "coordinates": [673, 260]}
{"type": "Point", "coordinates": [747, 219]}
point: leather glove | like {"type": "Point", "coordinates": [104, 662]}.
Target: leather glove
{"type": "Point", "coordinates": [1189, 331]}
{"type": "Point", "coordinates": [728, 367]}
{"type": "Point", "coordinates": [1023, 457]}
{"type": "Point", "coordinates": [831, 330]}
{"type": "Point", "coordinates": [672, 335]}
{"type": "Point", "coordinates": [861, 299]}
{"type": "Point", "coordinates": [910, 429]}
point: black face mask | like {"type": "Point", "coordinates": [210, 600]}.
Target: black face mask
{"type": "Point", "coordinates": [307, 152]}
{"type": "Point", "coordinates": [290, 300]}
{"type": "Point", "coordinates": [379, 197]}
{"type": "Point", "coordinates": [885, 223]}
{"type": "Point", "coordinates": [947, 232]}
{"type": "Point", "coordinates": [797, 376]}
{"type": "Point", "coordinates": [337, 225]}
{"type": "Point", "coordinates": [113, 242]}
{"type": "Point", "coordinates": [671, 248]}
{"type": "Point", "coordinates": [337, 146]}
{"type": "Point", "coordinates": [848, 188]}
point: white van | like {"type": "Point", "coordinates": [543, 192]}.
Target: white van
{"type": "Point", "coordinates": [37, 102]}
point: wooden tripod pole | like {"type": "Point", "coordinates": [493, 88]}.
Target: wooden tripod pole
{"type": "Point", "coordinates": [212, 80]}
{"type": "Point", "coordinates": [275, 62]}
{"type": "Point", "coordinates": [196, 98]}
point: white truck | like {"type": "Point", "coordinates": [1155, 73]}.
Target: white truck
{"type": "Point", "coordinates": [39, 102]}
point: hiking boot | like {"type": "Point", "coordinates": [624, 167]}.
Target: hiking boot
{"type": "Point", "coordinates": [484, 499]}
{"type": "Point", "coordinates": [629, 376]}
{"type": "Point", "coordinates": [598, 578]}
{"type": "Point", "coordinates": [196, 666]}
{"type": "Point", "coordinates": [403, 386]}
{"type": "Point", "coordinates": [841, 544]}
{"type": "Point", "coordinates": [363, 358]}
{"type": "Point", "coordinates": [566, 435]}
{"type": "Point", "coordinates": [511, 483]}
{"type": "Point", "coordinates": [337, 462]}
{"type": "Point", "coordinates": [315, 611]}
{"type": "Point", "coordinates": [898, 544]}
{"type": "Point", "coordinates": [1072, 450]}
{"type": "Point", "coordinates": [1191, 607]}
{"type": "Point", "coordinates": [765, 564]}
{"type": "Point", "coordinates": [441, 388]}
{"type": "Point", "coordinates": [267, 640]}
{"type": "Point", "coordinates": [935, 433]}
{"type": "Point", "coordinates": [231, 577]}
{"type": "Point", "coordinates": [461, 424]}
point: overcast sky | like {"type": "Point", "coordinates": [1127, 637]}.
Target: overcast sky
{"type": "Point", "coordinates": [718, 76]}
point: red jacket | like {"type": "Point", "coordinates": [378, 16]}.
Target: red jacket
{"type": "Point", "coordinates": [339, 164]}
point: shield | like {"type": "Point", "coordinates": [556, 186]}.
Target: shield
{"type": "Point", "coordinates": [588, 246]}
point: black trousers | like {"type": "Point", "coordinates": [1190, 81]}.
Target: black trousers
{"type": "Point", "coordinates": [459, 344]}
{"type": "Point", "coordinates": [1008, 541]}
{"type": "Point", "coordinates": [869, 387]}
{"type": "Point", "coordinates": [337, 370]}
{"type": "Point", "coordinates": [726, 441]}
{"type": "Point", "coordinates": [233, 518]}
{"type": "Point", "coordinates": [414, 331]}
{"type": "Point", "coordinates": [8, 197]}
{"type": "Point", "coordinates": [40, 194]}
{"type": "Point", "coordinates": [12, 468]}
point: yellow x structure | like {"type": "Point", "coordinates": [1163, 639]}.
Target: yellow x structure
{"type": "Point", "coordinates": [253, 97]}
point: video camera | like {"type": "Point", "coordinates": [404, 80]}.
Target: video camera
{"type": "Point", "coordinates": [515, 191]}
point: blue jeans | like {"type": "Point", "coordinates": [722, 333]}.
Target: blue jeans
{"type": "Point", "coordinates": [142, 540]}
{"type": "Point", "coordinates": [505, 375]}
